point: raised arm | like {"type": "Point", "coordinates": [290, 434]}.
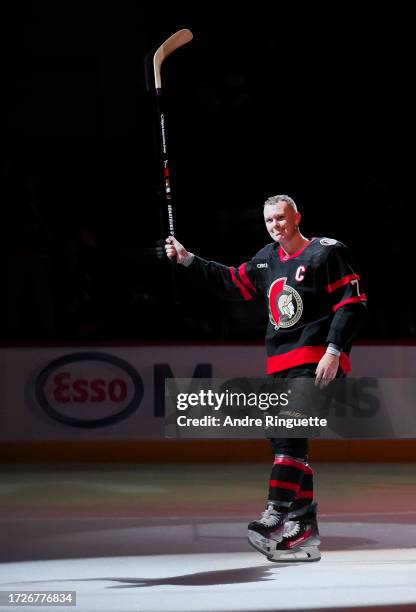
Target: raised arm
{"type": "Point", "coordinates": [229, 282]}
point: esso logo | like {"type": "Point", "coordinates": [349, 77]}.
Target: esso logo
{"type": "Point", "coordinates": [67, 388]}
{"type": "Point", "coordinates": [89, 389]}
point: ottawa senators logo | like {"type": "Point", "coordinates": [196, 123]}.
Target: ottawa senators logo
{"type": "Point", "coordinates": [285, 304]}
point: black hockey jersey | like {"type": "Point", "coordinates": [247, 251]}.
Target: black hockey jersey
{"type": "Point", "coordinates": [313, 299]}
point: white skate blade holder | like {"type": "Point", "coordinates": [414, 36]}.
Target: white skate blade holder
{"type": "Point", "coordinates": [267, 547]}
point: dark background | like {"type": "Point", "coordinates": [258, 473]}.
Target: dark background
{"type": "Point", "coordinates": [310, 102]}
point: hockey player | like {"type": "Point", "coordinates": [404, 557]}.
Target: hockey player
{"type": "Point", "coordinates": [315, 308]}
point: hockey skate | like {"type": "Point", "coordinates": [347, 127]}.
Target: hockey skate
{"type": "Point", "coordinates": [267, 531]}
{"type": "Point", "coordinates": [299, 538]}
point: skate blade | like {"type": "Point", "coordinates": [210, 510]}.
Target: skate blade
{"type": "Point", "coordinates": [302, 554]}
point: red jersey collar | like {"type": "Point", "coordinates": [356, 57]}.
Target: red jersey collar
{"type": "Point", "coordinates": [283, 257]}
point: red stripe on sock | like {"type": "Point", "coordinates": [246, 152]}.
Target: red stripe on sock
{"type": "Point", "coordinates": [291, 462]}
{"type": "Point", "coordinates": [283, 484]}
{"type": "Point", "coordinates": [305, 495]}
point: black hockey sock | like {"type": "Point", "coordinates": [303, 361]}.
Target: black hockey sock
{"type": "Point", "coordinates": [305, 494]}
{"type": "Point", "coordinates": [286, 480]}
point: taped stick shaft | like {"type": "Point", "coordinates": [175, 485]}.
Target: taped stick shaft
{"type": "Point", "coordinates": [164, 160]}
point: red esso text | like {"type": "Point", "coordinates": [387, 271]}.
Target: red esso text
{"type": "Point", "coordinates": [81, 390]}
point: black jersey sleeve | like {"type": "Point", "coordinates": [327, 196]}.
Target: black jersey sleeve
{"type": "Point", "coordinates": [229, 282]}
{"type": "Point", "coordinates": [348, 302]}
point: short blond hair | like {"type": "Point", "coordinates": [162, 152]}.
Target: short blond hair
{"type": "Point", "coordinates": [281, 198]}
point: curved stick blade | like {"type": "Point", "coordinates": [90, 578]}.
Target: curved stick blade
{"type": "Point", "coordinates": [180, 38]}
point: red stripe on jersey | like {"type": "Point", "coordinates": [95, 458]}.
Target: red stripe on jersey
{"type": "Point", "coordinates": [283, 484]}
{"type": "Point", "coordinates": [306, 354]}
{"type": "Point", "coordinates": [244, 292]}
{"type": "Point", "coordinates": [341, 282]}
{"type": "Point", "coordinates": [245, 279]}
{"type": "Point", "coordinates": [291, 462]}
{"type": "Point", "coordinates": [351, 300]}
{"type": "Point", "coordinates": [284, 257]}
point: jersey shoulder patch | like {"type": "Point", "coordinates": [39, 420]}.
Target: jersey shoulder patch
{"type": "Point", "coordinates": [328, 241]}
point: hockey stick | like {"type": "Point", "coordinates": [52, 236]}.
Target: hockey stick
{"type": "Point", "coordinates": [154, 81]}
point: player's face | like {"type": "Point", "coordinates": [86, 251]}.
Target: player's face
{"type": "Point", "coordinates": [281, 221]}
